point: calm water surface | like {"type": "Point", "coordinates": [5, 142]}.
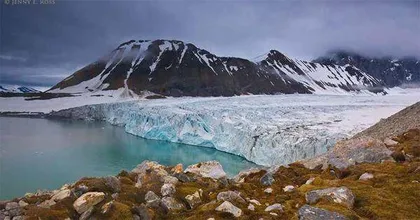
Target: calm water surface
{"type": "Point", "coordinates": [45, 154]}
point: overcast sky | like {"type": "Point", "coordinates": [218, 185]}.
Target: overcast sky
{"type": "Point", "coordinates": [42, 44]}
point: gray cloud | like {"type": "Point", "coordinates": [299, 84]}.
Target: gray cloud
{"type": "Point", "coordinates": [41, 44]}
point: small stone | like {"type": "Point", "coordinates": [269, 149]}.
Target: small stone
{"type": "Point", "coordinates": [310, 181]}
{"type": "Point", "coordinates": [29, 194]}
{"type": "Point", "coordinates": [307, 212]}
{"type": "Point", "coordinates": [255, 202]}
{"type": "Point", "coordinates": [251, 207]}
{"type": "Point", "coordinates": [366, 176]}
{"type": "Point", "coordinates": [274, 207]}
{"type": "Point", "coordinates": [273, 213]}
{"type": "Point", "coordinates": [87, 214]}
{"type": "Point", "coordinates": [229, 208]}
{"type": "Point", "coordinates": [289, 188]}
{"type": "Point", "coordinates": [230, 196]}
{"type": "Point", "coordinates": [210, 219]}
{"type": "Point", "coordinates": [62, 194]}
{"type": "Point", "coordinates": [80, 190]}
{"type": "Point", "coordinates": [114, 195]}
{"type": "Point", "coordinates": [23, 203]}
{"type": "Point", "coordinates": [389, 142]}
{"type": "Point", "coordinates": [47, 203]}
{"type": "Point", "coordinates": [152, 200]}
{"type": "Point", "coordinates": [193, 199]}
{"type": "Point", "coordinates": [168, 189]}
{"type": "Point", "coordinates": [340, 195]}
{"type": "Point", "coordinates": [211, 169]}
{"type": "Point", "coordinates": [136, 217]}
{"type": "Point", "coordinates": [113, 183]}
{"type": "Point", "coordinates": [171, 204]}
{"type": "Point", "coordinates": [88, 200]}
{"type": "Point", "coordinates": [268, 190]}
{"type": "Point", "coordinates": [177, 169]}
{"type": "Point", "coordinates": [19, 217]}
{"type": "Point", "coordinates": [138, 183]}
{"type": "Point", "coordinates": [267, 179]}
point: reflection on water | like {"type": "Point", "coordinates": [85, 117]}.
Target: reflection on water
{"type": "Point", "coordinates": [45, 154]}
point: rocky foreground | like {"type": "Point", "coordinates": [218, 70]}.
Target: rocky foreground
{"type": "Point", "coordinates": [360, 178]}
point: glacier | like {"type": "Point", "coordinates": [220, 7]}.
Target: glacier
{"type": "Point", "coordinates": [265, 129]}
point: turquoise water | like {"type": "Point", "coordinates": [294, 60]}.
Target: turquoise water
{"type": "Point", "coordinates": [45, 154]}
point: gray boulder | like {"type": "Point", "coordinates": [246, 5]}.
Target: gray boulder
{"type": "Point", "coordinates": [274, 207]}
{"type": "Point", "coordinates": [228, 207]}
{"type": "Point", "coordinates": [86, 214]}
{"type": "Point", "coordinates": [341, 195]}
{"type": "Point", "coordinates": [230, 196]}
{"type": "Point", "coordinates": [366, 176]}
{"type": "Point", "coordinates": [152, 200]}
{"type": "Point", "coordinates": [171, 204]}
{"type": "Point", "coordinates": [267, 179]}
{"type": "Point", "coordinates": [113, 183]}
{"type": "Point", "coordinates": [211, 169]}
{"type": "Point", "coordinates": [13, 209]}
{"type": "Point", "coordinates": [350, 152]}
{"type": "Point", "coordinates": [168, 189]}
{"type": "Point", "coordinates": [307, 212]}
{"type": "Point", "coordinates": [194, 199]}
{"type": "Point", "coordinates": [142, 212]}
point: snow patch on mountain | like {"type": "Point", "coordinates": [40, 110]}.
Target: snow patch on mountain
{"type": "Point", "coordinates": [17, 89]}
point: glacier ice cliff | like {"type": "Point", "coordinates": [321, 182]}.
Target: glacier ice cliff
{"type": "Point", "coordinates": [268, 130]}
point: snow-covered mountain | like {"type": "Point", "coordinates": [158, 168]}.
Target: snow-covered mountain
{"type": "Point", "coordinates": [175, 68]}
{"type": "Point", "coordinates": [17, 89]}
{"type": "Point", "coordinates": [391, 71]}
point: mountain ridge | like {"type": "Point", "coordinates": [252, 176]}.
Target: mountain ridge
{"type": "Point", "coordinates": [17, 89]}
{"type": "Point", "coordinates": [175, 68]}
{"type": "Point", "coordinates": [392, 71]}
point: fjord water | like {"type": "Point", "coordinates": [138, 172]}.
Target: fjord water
{"type": "Point", "coordinates": [45, 154]}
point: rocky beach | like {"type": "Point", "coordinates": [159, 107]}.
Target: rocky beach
{"type": "Point", "coordinates": [365, 177]}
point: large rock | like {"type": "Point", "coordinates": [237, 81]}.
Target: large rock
{"type": "Point", "coordinates": [86, 215]}
{"type": "Point", "coordinates": [229, 208]}
{"type": "Point", "coordinates": [230, 196]}
{"type": "Point", "coordinates": [267, 179]}
{"type": "Point", "coordinates": [341, 195]}
{"type": "Point", "coordinates": [171, 204]}
{"type": "Point", "coordinates": [307, 212]}
{"type": "Point", "coordinates": [113, 183]}
{"type": "Point", "coordinates": [193, 199]}
{"type": "Point", "coordinates": [150, 166]}
{"type": "Point", "coordinates": [13, 209]}
{"type": "Point", "coordinates": [211, 169]}
{"type": "Point", "coordinates": [350, 152]}
{"type": "Point", "coordinates": [88, 200]}
{"type": "Point", "coordinates": [142, 212]}
{"type": "Point", "coordinates": [152, 200]}
{"type": "Point", "coordinates": [168, 189]}
{"type": "Point", "coordinates": [47, 203]}
{"type": "Point", "coordinates": [62, 194]}
{"type": "Point", "coordinates": [240, 177]}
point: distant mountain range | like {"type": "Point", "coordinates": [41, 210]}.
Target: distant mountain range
{"type": "Point", "coordinates": [17, 89]}
{"type": "Point", "coordinates": [175, 68]}
{"type": "Point", "coordinates": [390, 71]}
